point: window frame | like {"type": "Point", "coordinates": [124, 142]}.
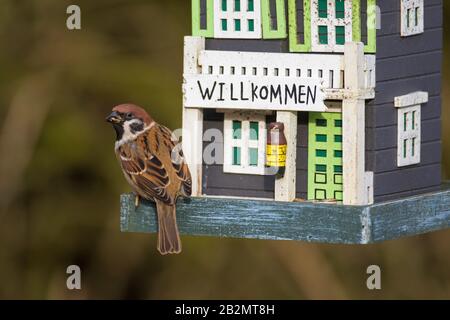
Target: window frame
{"type": "Point", "coordinates": [412, 17]}
{"type": "Point", "coordinates": [331, 22]}
{"type": "Point", "coordinates": [244, 143]}
{"type": "Point", "coordinates": [408, 151]}
{"type": "Point", "coordinates": [243, 15]}
{"type": "Point", "coordinates": [409, 127]}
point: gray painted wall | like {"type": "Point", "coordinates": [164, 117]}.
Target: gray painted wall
{"type": "Point", "coordinates": [405, 65]}
{"type": "Point", "coordinates": [216, 182]}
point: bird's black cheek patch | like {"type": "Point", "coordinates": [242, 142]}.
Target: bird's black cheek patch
{"type": "Point", "coordinates": [136, 127]}
{"type": "Point", "coordinates": [119, 131]}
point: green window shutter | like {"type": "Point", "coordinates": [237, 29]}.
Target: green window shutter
{"type": "Point", "coordinates": [338, 169]}
{"type": "Point", "coordinates": [224, 5]}
{"type": "Point", "coordinates": [237, 24]}
{"type": "Point", "coordinates": [254, 130]}
{"type": "Point", "coordinates": [338, 153]}
{"type": "Point", "coordinates": [253, 157]}
{"type": "Point", "coordinates": [408, 18]}
{"type": "Point", "coordinates": [405, 121]}
{"type": "Point", "coordinates": [340, 9]}
{"type": "Point", "coordinates": [323, 34]}
{"type": "Point", "coordinates": [236, 156]}
{"type": "Point", "coordinates": [224, 25]}
{"type": "Point", "coordinates": [321, 168]}
{"type": "Point", "coordinates": [338, 123]}
{"type": "Point", "coordinates": [340, 35]}
{"type": "Point", "coordinates": [321, 153]}
{"type": "Point", "coordinates": [321, 138]}
{"type": "Point", "coordinates": [405, 145]}
{"type": "Point", "coordinates": [338, 138]}
{"type": "Point", "coordinates": [251, 5]}
{"type": "Point", "coordinates": [321, 122]}
{"type": "Point", "coordinates": [416, 17]}
{"type": "Point", "coordinates": [269, 31]}
{"type": "Point", "coordinates": [237, 5]}
{"type": "Point", "coordinates": [237, 129]}
{"type": "Point", "coordinates": [323, 8]}
{"type": "Point", "coordinates": [251, 25]}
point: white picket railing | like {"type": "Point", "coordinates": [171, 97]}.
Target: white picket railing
{"type": "Point", "coordinates": [329, 67]}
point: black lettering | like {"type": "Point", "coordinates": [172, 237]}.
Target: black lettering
{"type": "Point", "coordinates": [254, 92]}
{"type": "Point", "coordinates": [301, 93]}
{"type": "Point", "coordinates": [208, 92]}
{"type": "Point", "coordinates": [312, 95]}
{"type": "Point", "coordinates": [221, 84]}
{"type": "Point", "coordinates": [264, 93]}
{"type": "Point", "coordinates": [242, 93]}
{"type": "Point", "coordinates": [290, 94]}
{"type": "Point", "coordinates": [232, 92]}
{"type": "Point", "coordinates": [275, 94]}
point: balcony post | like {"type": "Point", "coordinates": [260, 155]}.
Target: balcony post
{"type": "Point", "coordinates": [192, 140]}
{"type": "Point", "coordinates": [357, 184]}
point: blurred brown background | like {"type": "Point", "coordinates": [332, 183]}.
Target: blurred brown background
{"type": "Point", "coordinates": [60, 183]}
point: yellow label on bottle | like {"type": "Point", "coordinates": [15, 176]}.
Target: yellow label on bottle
{"type": "Point", "coordinates": [276, 155]}
{"type": "Point", "coordinates": [280, 149]}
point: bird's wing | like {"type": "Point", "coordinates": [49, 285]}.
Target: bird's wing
{"type": "Point", "coordinates": [145, 170]}
{"type": "Point", "coordinates": [177, 159]}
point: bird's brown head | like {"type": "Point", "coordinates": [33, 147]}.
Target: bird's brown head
{"type": "Point", "coordinates": [128, 120]}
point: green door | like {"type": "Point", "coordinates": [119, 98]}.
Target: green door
{"type": "Point", "coordinates": [325, 156]}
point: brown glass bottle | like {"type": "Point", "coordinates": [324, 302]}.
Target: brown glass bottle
{"type": "Point", "coordinates": [276, 148]}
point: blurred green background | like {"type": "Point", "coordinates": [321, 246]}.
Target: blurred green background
{"type": "Point", "coordinates": [60, 183]}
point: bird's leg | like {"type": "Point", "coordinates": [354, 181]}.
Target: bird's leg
{"type": "Point", "coordinates": [136, 201]}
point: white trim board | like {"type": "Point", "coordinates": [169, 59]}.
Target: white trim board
{"type": "Point", "coordinates": [412, 17]}
{"type": "Point", "coordinates": [415, 98]}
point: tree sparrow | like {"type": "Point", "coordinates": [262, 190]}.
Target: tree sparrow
{"type": "Point", "coordinates": [153, 166]}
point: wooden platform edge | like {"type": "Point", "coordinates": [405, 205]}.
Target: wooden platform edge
{"type": "Point", "coordinates": [321, 223]}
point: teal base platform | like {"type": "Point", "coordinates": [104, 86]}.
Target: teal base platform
{"type": "Point", "coordinates": [302, 221]}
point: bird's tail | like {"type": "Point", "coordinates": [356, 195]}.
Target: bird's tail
{"type": "Point", "coordinates": [168, 236]}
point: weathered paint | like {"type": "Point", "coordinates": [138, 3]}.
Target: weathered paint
{"type": "Point", "coordinates": [280, 32]}
{"type": "Point", "coordinates": [197, 29]}
{"type": "Point", "coordinates": [302, 221]}
{"type": "Point", "coordinates": [294, 45]}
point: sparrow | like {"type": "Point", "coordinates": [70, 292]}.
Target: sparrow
{"type": "Point", "coordinates": [154, 167]}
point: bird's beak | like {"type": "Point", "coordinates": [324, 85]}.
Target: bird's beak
{"type": "Point", "coordinates": [114, 117]}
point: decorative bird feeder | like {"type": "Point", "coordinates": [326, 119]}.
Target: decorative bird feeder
{"type": "Point", "coordinates": [342, 97]}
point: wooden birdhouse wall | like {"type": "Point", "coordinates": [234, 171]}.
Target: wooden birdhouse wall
{"type": "Point", "coordinates": [405, 65]}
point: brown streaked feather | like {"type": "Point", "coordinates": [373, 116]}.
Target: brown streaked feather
{"type": "Point", "coordinates": [178, 161]}
{"type": "Point", "coordinates": [168, 236]}
{"type": "Point", "coordinates": [148, 166]}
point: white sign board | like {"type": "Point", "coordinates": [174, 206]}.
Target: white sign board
{"type": "Point", "coordinates": [253, 93]}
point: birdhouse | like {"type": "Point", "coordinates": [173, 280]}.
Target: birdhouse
{"type": "Point", "coordinates": [355, 87]}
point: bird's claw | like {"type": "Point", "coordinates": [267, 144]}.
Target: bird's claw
{"type": "Point", "coordinates": [136, 202]}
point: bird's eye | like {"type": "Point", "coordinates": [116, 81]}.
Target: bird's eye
{"type": "Point", "coordinates": [129, 115]}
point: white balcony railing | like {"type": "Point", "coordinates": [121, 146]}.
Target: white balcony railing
{"type": "Point", "coordinates": [328, 67]}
